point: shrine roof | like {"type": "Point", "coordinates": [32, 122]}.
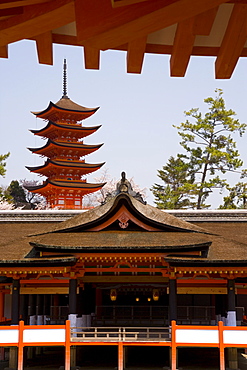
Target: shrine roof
{"type": "Point", "coordinates": [147, 212]}
{"type": "Point", "coordinates": [115, 241]}
{"type": "Point", "coordinates": [66, 104]}
{"type": "Point", "coordinates": [101, 230]}
{"type": "Point", "coordinates": [33, 262]}
{"type": "Point", "coordinates": [15, 242]}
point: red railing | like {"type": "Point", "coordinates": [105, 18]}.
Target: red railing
{"type": "Point", "coordinates": [219, 336]}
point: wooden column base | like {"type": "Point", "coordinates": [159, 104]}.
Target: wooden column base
{"type": "Point", "coordinates": [73, 356]}
{"type": "Point", "coordinates": [232, 358]}
{"type": "Point", "coordinates": [13, 355]}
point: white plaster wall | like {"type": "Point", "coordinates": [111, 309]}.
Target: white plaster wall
{"type": "Point", "coordinates": [43, 335]}
{"type": "Point", "coordinates": [197, 336]}
{"type": "Point", "coordinates": [235, 337]}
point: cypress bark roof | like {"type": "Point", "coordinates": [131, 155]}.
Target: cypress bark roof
{"type": "Point", "coordinates": [147, 213]}
{"type": "Point", "coordinates": [74, 236]}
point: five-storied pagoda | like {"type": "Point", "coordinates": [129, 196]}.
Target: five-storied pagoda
{"type": "Point", "coordinates": [65, 167]}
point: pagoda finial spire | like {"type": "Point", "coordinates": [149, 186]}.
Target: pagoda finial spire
{"type": "Point", "coordinates": [65, 80]}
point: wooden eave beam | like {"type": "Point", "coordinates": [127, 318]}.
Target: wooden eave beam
{"type": "Point", "coordinates": [204, 22]}
{"type": "Point", "coordinates": [135, 55]}
{"type": "Point", "coordinates": [13, 4]}
{"type": "Point", "coordinates": [91, 58]}
{"type": "Point", "coordinates": [4, 51]}
{"type": "Point", "coordinates": [11, 11]}
{"type": "Point", "coordinates": [233, 42]}
{"type": "Point", "coordinates": [185, 37]}
{"type": "Point", "coordinates": [182, 47]}
{"type": "Point", "coordinates": [117, 3]}
{"type": "Point", "coordinates": [105, 27]}
{"type": "Point", "coordinates": [35, 20]}
{"type": "Point", "coordinates": [44, 48]}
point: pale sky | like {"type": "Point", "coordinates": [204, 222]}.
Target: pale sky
{"type": "Point", "coordinates": [136, 111]}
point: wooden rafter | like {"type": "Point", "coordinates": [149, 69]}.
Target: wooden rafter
{"type": "Point", "coordinates": [13, 4]}
{"type": "Point", "coordinates": [185, 38]}
{"type": "Point", "coordinates": [91, 58]}
{"type": "Point", "coordinates": [117, 3]}
{"type": "Point", "coordinates": [233, 42]}
{"type": "Point", "coordinates": [123, 25]}
{"type": "Point", "coordinates": [11, 11]}
{"type": "Point", "coordinates": [4, 51]}
{"type": "Point", "coordinates": [126, 25]}
{"type": "Point", "coordinates": [135, 55]}
{"type": "Point", "coordinates": [35, 20]}
{"type": "Point", "coordinates": [182, 47]}
{"type": "Point", "coordinates": [204, 22]}
{"type": "Point", "coordinates": [44, 48]}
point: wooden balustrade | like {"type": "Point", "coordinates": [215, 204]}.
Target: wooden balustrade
{"type": "Point", "coordinates": [125, 334]}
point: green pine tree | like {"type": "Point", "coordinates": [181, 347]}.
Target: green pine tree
{"type": "Point", "coordinates": [210, 152]}
{"type": "Point", "coordinates": [3, 158]}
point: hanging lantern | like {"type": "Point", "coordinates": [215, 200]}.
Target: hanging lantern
{"type": "Point", "coordinates": [156, 294]}
{"type": "Point", "coordinates": [113, 294]}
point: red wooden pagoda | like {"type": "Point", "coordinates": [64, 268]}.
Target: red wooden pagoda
{"type": "Point", "coordinates": [65, 167]}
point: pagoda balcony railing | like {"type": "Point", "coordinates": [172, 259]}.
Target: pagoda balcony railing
{"type": "Point", "coordinates": [121, 334]}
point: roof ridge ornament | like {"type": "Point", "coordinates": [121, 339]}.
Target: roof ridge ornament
{"type": "Point", "coordinates": [65, 96]}
{"type": "Point", "coordinates": [124, 186]}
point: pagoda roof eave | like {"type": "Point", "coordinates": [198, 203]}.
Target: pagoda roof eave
{"type": "Point", "coordinates": [65, 145]}
{"type": "Point", "coordinates": [72, 127]}
{"type": "Point", "coordinates": [69, 164]}
{"type": "Point", "coordinates": [70, 104]}
{"type": "Point", "coordinates": [66, 184]}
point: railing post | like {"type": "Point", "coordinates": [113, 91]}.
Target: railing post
{"type": "Point", "coordinates": [120, 356]}
{"type": "Point", "coordinates": [173, 346]}
{"type": "Point", "coordinates": [20, 346]}
{"type": "Point", "coordinates": [67, 345]}
{"type": "Point", "coordinates": [221, 346]}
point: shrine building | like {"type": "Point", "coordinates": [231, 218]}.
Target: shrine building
{"type": "Point", "coordinates": [123, 277]}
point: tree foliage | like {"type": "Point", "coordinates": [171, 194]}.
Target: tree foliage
{"type": "Point", "coordinates": [16, 191]}
{"type": "Point", "coordinates": [175, 174]}
{"type": "Point", "coordinates": [3, 158]}
{"type": "Point", "coordinates": [210, 152]}
{"type": "Point", "coordinates": [236, 198]}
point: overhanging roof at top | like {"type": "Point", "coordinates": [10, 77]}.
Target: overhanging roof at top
{"type": "Point", "coordinates": [180, 28]}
